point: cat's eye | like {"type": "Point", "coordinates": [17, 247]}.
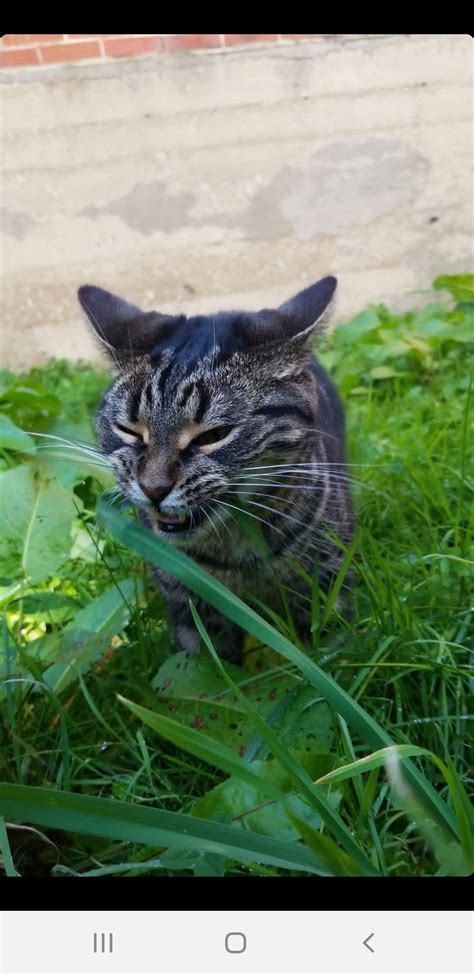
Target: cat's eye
{"type": "Point", "coordinates": [126, 431]}
{"type": "Point", "coordinates": [209, 437]}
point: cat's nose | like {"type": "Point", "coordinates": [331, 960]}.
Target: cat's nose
{"type": "Point", "coordinates": [156, 493]}
{"type": "Point", "coordinates": [157, 476]}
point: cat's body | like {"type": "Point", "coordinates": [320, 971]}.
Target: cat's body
{"type": "Point", "coordinates": [217, 418]}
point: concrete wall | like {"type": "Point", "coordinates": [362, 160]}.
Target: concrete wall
{"type": "Point", "coordinates": [225, 179]}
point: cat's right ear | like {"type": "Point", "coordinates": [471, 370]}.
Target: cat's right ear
{"type": "Point", "coordinates": [122, 328]}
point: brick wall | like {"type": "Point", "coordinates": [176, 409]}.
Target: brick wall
{"type": "Point", "coordinates": [24, 50]}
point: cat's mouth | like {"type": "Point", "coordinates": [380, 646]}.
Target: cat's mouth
{"type": "Point", "coordinates": [179, 522]}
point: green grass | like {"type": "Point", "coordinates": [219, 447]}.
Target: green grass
{"type": "Point", "coordinates": [348, 755]}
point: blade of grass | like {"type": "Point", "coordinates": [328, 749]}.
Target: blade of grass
{"type": "Point", "coordinates": [338, 581]}
{"type": "Point", "coordinates": [10, 687]}
{"type": "Point", "coordinates": [6, 851]}
{"type": "Point", "coordinates": [334, 858]}
{"type": "Point", "coordinates": [113, 819]}
{"type": "Point", "coordinates": [122, 867]}
{"type": "Point", "coordinates": [375, 760]}
{"type": "Point", "coordinates": [365, 795]}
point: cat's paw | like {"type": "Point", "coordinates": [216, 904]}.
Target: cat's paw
{"type": "Point", "coordinates": [187, 639]}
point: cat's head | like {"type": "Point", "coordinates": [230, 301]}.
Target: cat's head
{"type": "Point", "coordinates": [198, 401]}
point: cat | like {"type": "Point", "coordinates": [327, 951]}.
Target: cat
{"type": "Point", "coordinates": [215, 422]}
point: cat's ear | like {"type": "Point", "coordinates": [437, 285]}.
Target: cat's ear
{"type": "Point", "coordinates": [286, 331]}
{"type": "Point", "coordinates": [124, 329]}
{"type": "Point", "coordinates": [306, 309]}
{"type": "Point", "coordinates": [292, 324]}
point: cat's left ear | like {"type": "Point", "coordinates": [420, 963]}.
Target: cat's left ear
{"type": "Point", "coordinates": [303, 312]}
{"type": "Point", "coordinates": [124, 329]}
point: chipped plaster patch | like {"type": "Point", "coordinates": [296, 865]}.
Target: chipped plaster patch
{"type": "Point", "coordinates": [148, 207]}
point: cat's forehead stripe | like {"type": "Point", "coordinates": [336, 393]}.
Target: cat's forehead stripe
{"type": "Point", "coordinates": [202, 402]}
{"type": "Point", "coordinates": [134, 404]}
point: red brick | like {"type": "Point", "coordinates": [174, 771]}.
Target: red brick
{"type": "Point", "coordinates": [19, 39]}
{"type": "Point", "coordinates": [123, 46]}
{"type": "Point", "coordinates": [54, 53]}
{"type": "Point", "coordinates": [19, 57]}
{"type": "Point", "coordinates": [231, 39]}
{"type": "Point", "coordinates": [186, 42]}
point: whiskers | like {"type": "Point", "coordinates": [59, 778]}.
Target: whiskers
{"type": "Point", "coordinates": [242, 510]}
{"type": "Point", "coordinates": [308, 465]}
{"type": "Point", "coordinates": [273, 510]}
{"type": "Point", "coordinates": [211, 522]}
{"type": "Point", "coordinates": [222, 520]}
{"type": "Point", "coordinates": [114, 495]}
{"type": "Point", "coordinates": [209, 506]}
{"type": "Point", "coordinates": [62, 448]}
{"type": "Point", "coordinates": [305, 476]}
{"type": "Point", "coordinates": [313, 542]}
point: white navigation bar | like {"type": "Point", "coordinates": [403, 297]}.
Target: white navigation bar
{"type": "Point", "coordinates": [243, 942]}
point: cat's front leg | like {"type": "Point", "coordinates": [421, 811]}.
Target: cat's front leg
{"type": "Point", "coordinates": [177, 598]}
{"type": "Point", "coordinates": [227, 639]}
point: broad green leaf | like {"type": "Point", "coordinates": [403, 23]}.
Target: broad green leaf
{"type": "Point", "coordinates": [87, 637]}
{"type": "Point", "coordinates": [192, 691]}
{"type": "Point", "coordinates": [248, 805]}
{"type": "Point", "coordinates": [35, 523]}
{"type": "Point", "coordinates": [464, 331]}
{"type": "Point", "coordinates": [363, 324]}
{"type": "Point", "coordinates": [210, 865]}
{"type": "Point", "coordinates": [29, 402]}
{"type": "Point", "coordinates": [69, 470]}
{"type": "Point", "coordinates": [151, 826]}
{"type": "Point", "coordinates": [434, 328]}
{"type": "Point", "coordinates": [40, 603]}
{"type": "Point", "coordinates": [12, 437]}
{"type": "Point", "coordinates": [392, 349]}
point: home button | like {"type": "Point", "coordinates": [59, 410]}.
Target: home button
{"type": "Point", "coordinates": [235, 943]}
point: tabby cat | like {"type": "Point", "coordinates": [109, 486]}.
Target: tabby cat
{"type": "Point", "coordinates": [215, 422]}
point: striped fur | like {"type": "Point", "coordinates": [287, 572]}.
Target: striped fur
{"type": "Point", "coordinates": [251, 381]}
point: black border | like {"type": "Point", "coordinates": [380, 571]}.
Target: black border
{"type": "Point", "coordinates": [189, 893]}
